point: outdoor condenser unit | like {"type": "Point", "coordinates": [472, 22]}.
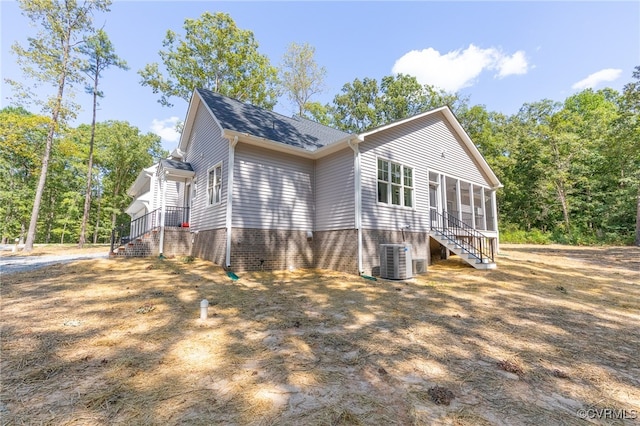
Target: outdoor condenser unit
{"type": "Point", "coordinates": [395, 261]}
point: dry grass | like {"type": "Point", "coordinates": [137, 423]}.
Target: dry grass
{"type": "Point", "coordinates": [121, 342]}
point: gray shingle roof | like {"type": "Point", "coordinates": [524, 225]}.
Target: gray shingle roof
{"type": "Point", "coordinates": [246, 118]}
{"type": "Point", "coordinates": [165, 163]}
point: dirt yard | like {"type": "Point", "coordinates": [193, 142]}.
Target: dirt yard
{"type": "Point", "coordinates": [550, 337]}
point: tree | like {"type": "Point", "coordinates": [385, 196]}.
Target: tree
{"type": "Point", "coordinates": [213, 54]}
{"type": "Point", "coordinates": [52, 58]}
{"type": "Point", "coordinates": [627, 131]}
{"type": "Point", "coordinates": [527, 201]}
{"type": "Point", "coordinates": [365, 104]}
{"type": "Point", "coordinates": [300, 75]}
{"type": "Point", "coordinates": [402, 96]}
{"type": "Point", "coordinates": [100, 54]}
{"type": "Point", "coordinates": [355, 109]}
{"type": "Point", "coordinates": [123, 152]}
{"type": "Point", "coordinates": [22, 140]}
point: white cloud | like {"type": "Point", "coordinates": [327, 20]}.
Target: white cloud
{"type": "Point", "coordinates": [592, 80]}
{"type": "Point", "coordinates": [166, 129]}
{"type": "Point", "coordinates": [515, 64]}
{"type": "Point", "coordinates": [457, 69]}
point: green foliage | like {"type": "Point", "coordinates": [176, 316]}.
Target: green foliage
{"type": "Point", "coordinates": [365, 104]}
{"type": "Point", "coordinates": [214, 54]}
{"type": "Point", "coordinates": [22, 140]}
{"type": "Point", "coordinates": [511, 234]}
{"type": "Point", "coordinates": [100, 55]}
{"type": "Point", "coordinates": [53, 58]}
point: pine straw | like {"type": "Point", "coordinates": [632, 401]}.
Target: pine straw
{"type": "Point", "coordinates": [81, 343]}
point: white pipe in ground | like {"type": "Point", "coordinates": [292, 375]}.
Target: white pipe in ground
{"type": "Point", "coordinates": [204, 305]}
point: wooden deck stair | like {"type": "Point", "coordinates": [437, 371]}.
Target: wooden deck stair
{"type": "Point", "coordinates": [463, 249]}
{"type": "Point", "coordinates": [471, 245]}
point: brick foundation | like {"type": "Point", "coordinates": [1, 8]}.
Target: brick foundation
{"type": "Point", "coordinates": [270, 249]}
{"type": "Point", "coordinates": [337, 250]}
{"type": "Point", "coordinates": [177, 242]}
{"type": "Point", "coordinates": [210, 245]}
{"type": "Point", "coordinates": [276, 249]}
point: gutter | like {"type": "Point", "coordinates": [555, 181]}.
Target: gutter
{"type": "Point", "coordinates": [230, 167]}
{"type": "Point", "coordinates": [357, 195]}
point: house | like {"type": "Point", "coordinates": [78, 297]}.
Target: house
{"type": "Point", "coordinates": [261, 190]}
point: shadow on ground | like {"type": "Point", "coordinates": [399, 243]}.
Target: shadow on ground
{"type": "Point", "coordinates": [546, 335]}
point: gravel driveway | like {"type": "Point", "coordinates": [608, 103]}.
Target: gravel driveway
{"type": "Point", "coordinates": [10, 265]}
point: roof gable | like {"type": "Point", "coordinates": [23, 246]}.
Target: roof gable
{"type": "Point", "coordinates": [456, 128]}
{"type": "Point", "coordinates": [249, 119]}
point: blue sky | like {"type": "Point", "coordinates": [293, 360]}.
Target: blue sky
{"type": "Point", "coordinates": [499, 54]}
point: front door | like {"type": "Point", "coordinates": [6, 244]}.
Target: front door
{"type": "Point", "coordinates": [433, 204]}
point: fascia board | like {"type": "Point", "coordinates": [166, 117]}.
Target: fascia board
{"type": "Point", "coordinates": [281, 147]}
{"type": "Point", "coordinates": [267, 143]}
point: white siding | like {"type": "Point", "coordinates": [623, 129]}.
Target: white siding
{"type": "Point", "coordinates": [206, 148]}
{"type": "Point", "coordinates": [173, 194]}
{"type": "Point", "coordinates": [335, 202]}
{"type": "Point", "coordinates": [418, 144]}
{"type": "Point", "coordinates": [272, 190]}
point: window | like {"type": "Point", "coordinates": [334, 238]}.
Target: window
{"type": "Point", "coordinates": [395, 184]}
{"type": "Point", "coordinates": [214, 185]}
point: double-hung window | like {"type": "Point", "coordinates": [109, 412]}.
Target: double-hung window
{"type": "Point", "coordinates": [214, 185]}
{"type": "Point", "coordinates": [395, 184]}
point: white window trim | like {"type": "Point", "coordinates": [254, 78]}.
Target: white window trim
{"type": "Point", "coordinates": [402, 185]}
{"type": "Point", "coordinates": [213, 168]}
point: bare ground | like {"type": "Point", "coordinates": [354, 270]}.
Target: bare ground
{"type": "Point", "coordinates": [554, 331]}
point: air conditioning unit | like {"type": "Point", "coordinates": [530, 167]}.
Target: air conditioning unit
{"type": "Point", "coordinates": [419, 266]}
{"type": "Point", "coordinates": [395, 261]}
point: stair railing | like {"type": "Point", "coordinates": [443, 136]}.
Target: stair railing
{"type": "Point", "coordinates": [129, 231]}
{"type": "Point", "coordinates": [126, 232]}
{"type": "Point", "coordinates": [458, 232]}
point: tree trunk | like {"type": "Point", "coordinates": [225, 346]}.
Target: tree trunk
{"type": "Point", "coordinates": [87, 197]}
{"type": "Point", "coordinates": [51, 217]}
{"type": "Point", "coordinates": [565, 209]}
{"type": "Point", "coordinates": [114, 216]}
{"type": "Point", "coordinates": [55, 116]}
{"type": "Point", "coordinates": [64, 228]}
{"type": "Point", "coordinates": [95, 231]}
{"type": "Point", "coordinates": [638, 218]}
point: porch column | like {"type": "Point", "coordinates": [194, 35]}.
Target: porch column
{"type": "Point", "coordinates": [484, 209]}
{"type": "Point", "coordinates": [458, 200]}
{"type": "Point", "coordinates": [494, 207]}
{"type": "Point", "coordinates": [163, 185]}
{"type": "Point", "coordinates": [443, 191]}
{"type": "Point", "coordinates": [473, 208]}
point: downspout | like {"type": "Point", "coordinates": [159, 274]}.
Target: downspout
{"type": "Point", "coordinates": [358, 200]}
{"type": "Point", "coordinates": [163, 183]}
{"type": "Point", "coordinates": [232, 146]}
